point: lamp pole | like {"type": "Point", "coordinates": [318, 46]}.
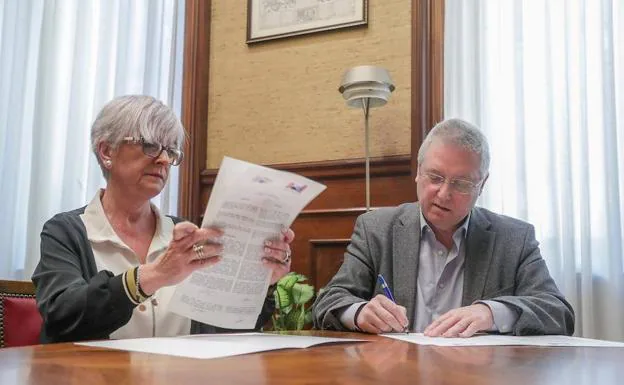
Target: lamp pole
{"type": "Point", "coordinates": [365, 107]}
{"type": "Point", "coordinates": [366, 86]}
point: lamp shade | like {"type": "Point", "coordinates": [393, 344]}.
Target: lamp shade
{"type": "Point", "coordinates": [366, 82]}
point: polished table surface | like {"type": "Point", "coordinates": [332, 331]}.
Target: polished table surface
{"type": "Point", "coordinates": [381, 361]}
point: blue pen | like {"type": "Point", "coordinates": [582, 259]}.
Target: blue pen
{"type": "Point", "coordinates": [387, 292]}
{"type": "Point", "coordinates": [385, 287]}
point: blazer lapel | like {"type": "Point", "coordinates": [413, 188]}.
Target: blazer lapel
{"type": "Point", "coordinates": [406, 245]}
{"type": "Point", "coordinates": [479, 250]}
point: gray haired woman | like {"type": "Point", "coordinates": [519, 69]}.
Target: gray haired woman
{"type": "Point", "coordinates": [108, 270]}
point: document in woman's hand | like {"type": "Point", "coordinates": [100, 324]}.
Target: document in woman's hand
{"type": "Point", "coordinates": [252, 204]}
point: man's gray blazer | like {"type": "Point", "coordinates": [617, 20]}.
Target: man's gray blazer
{"type": "Point", "coordinates": [503, 263]}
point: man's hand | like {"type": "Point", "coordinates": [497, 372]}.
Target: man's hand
{"type": "Point", "coordinates": [462, 322]}
{"type": "Point", "coordinates": [381, 315]}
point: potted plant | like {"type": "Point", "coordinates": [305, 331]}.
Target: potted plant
{"type": "Point", "coordinates": [291, 296]}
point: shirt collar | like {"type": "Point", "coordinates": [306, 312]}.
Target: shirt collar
{"type": "Point", "coordinates": [99, 228]}
{"type": "Point", "coordinates": [459, 234]}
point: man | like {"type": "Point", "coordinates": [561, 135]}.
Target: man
{"type": "Point", "coordinates": [455, 269]}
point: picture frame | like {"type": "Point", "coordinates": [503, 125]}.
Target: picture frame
{"type": "Point", "coordinates": [277, 19]}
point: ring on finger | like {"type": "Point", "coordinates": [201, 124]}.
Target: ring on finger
{"type": "Point", "coordinates": [287, 258]}
{"type": "Point", "coordinates": [199, 250]}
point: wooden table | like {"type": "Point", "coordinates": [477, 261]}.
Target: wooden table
{"type": "Point", "coordinates": [383, 361]}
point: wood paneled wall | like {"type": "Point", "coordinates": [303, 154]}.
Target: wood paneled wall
{"type": "Point", "coordinates": [324, 227]}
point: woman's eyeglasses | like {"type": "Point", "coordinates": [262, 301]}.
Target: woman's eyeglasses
{"type": "Point", "coordinates": [153, 150]}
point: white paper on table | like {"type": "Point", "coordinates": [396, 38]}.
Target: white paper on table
{"type": "Point", "coordinates": [503, 340]}
{"type": "Point", "coordinates": [215, 345]}
{"type": "Point", "coordinates": [251, 204]}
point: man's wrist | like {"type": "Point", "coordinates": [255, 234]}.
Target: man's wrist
{"type": "Point", "coordinates": [346, 314]}
{"type": "Point", "coordinates": [503, 316]}
{"type": "Point", "coordinates": [355, 317]}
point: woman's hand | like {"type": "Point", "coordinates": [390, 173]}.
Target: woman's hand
{"type": "Point", "coordinates": [181, 258]}
{"type": "Point", "coordinates": [277, 255]}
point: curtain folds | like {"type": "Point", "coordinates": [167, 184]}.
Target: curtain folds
{"type": "Point", "coordinates": [60, 62]}
{"type": "Point", "coordinates": [545, 82]}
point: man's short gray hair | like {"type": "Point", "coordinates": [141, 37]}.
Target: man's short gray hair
{"type": "Point", "coordinates": [460, 133]}
{"type": "Point", "coordinates": [139, 116]}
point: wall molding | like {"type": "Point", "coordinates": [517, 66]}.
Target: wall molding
{"type": "Point", "coordinates": [349, 211]}
{"type": "Point", "coordinates": [333, 169]}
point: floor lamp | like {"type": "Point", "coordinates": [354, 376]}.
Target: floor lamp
{"type": "Point", "coordinates": [366, 87]}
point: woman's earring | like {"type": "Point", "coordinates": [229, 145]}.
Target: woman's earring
{"type": "Point", "coordinates": [108, 163]}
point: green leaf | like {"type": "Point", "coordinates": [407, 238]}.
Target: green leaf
{"type": "Point", "coordinates": [291, 295]}
{"type": "Point", "coordinates": [282, 298]}
{"type": "Point", "coordinates": [302, 293]}
{"type": "Point", "coordinates": [287, 281]}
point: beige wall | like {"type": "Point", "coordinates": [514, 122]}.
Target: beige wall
{"type": "Point", "coordinates": [277, 102]}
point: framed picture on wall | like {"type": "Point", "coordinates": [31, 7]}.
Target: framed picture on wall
{"type": "Point", "coordinates": [276, 19]}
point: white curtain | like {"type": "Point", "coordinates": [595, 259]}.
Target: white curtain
{"type": "Point", "coordinates": [60, 62]}
{"type": "Point", "coordinates": [545, 82]}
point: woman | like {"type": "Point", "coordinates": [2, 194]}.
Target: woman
{"type": "Point", "coordinates": [107, 269]}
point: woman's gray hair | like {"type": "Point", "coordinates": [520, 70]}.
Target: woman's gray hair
{"type": "Point", "coordinates": [460, 133]}
{"type": "Point", "coordinates": [138, 116]}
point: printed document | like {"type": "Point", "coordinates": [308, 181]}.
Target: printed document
{"type": "Point", "coordinates": [215, 345]}
{"type": "Point", "coordinates": [251, 204]}
{"type": "Point", "coordinates": [503, 340]}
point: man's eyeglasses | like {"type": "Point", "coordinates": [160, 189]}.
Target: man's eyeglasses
{"type": "Point", "coordinates": [153, 150]}
{"type": "Point", "coordinates": [461, 186]}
